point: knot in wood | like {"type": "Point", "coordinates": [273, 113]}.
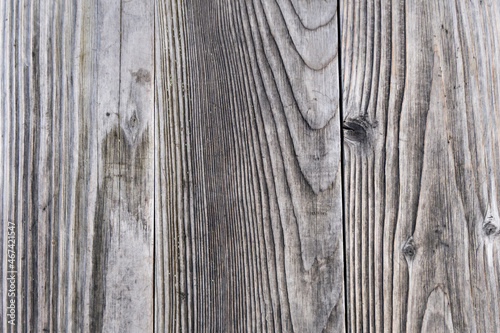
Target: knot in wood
{"type": "Point", "coordinates": [489, 228]}
{"type": "Point", "coordinates": [354, 131]}
{"type": "Point", "coordinates": [409, 249]}
{"type": "Point", "coordinates": [133, 121]}
{"type": "Point", "coordinates": [491, 221]}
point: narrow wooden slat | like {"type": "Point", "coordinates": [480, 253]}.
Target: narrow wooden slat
{"type": "Point", "coordinates": [77, 164]}
{"type": "Point", "coordinates": [248, 171]}
{"type": "Point", "coordinates": [421, 96]}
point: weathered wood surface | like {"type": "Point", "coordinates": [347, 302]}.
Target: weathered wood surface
{"type": "Point", "coordinates": [77, 163]}
{"type": "Point", "coordinates": [421, 98]}
{"type": "Point", "coordinates": [175, 166]}
{"type": "Point", "coordinates": [248, 170]}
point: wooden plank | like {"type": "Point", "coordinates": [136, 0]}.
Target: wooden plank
{"type": "Point", "coordinates": [248, 209]}
{"type": "Point", "coordinates": [421, 96]}
{"type": "Point", "coordinates": [77, 164]}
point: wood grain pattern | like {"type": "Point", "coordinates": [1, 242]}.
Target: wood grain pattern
{"type": "Point", "coordinates": [176, 166]}
{"type": "Point", "coordinates": [77, 163]}
{"type": "Point", "coordinates": [248, 173]}
{"type": "Point", "coordinates": [421, 97]}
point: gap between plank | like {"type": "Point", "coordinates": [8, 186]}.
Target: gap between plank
{"type": "Point", "coordinates": [341, 117]}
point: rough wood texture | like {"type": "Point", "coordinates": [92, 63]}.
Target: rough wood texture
{"type": "Point", "coordinates": [248, 174]}
{"type": "Point", "coordinates": [421, 97]}
{"type": "Point", "coordinates": [77, 163]}
{"type": "Point", "coordinates": [175, 165]}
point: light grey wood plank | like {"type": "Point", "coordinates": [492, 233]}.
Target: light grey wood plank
{"type": "Point", "coordinates": [77, 165]}
{"type": "Point", "coordinates": [421, 91]}
{"type": "Point", "coordinates": [124, 213]}
{"type": "Point", "coordinates": [248, 168]}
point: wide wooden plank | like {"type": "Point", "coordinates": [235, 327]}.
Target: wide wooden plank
{"type": "Point", "coordinates": [77, 164]}
{"type": "Point", "coordinates": [248, 209]}
{"type": "Point", "coordinates": [421, 98]}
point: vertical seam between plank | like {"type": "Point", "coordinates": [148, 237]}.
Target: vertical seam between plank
{"type": "Point", "coordinates": [154, 168]}
{"type": "Point", "coordinates": [341, 120]}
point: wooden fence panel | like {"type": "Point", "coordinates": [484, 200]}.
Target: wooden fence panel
{"type": "Point", "coordinates": [248, 169]}
{"type": "Point", "coordinates": [421, 93]}
{"type": "Point", "coordinates": [77, 165]}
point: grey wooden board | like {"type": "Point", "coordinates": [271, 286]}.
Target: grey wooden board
{"type": "Point", "coordinates": [77, 163]}
{"type": "Point", "coordinates": [421, 98]}
{"type": "Point", "coordinates": [176, 165]}
{"type": "Point", "coordinates": [248, 174]}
